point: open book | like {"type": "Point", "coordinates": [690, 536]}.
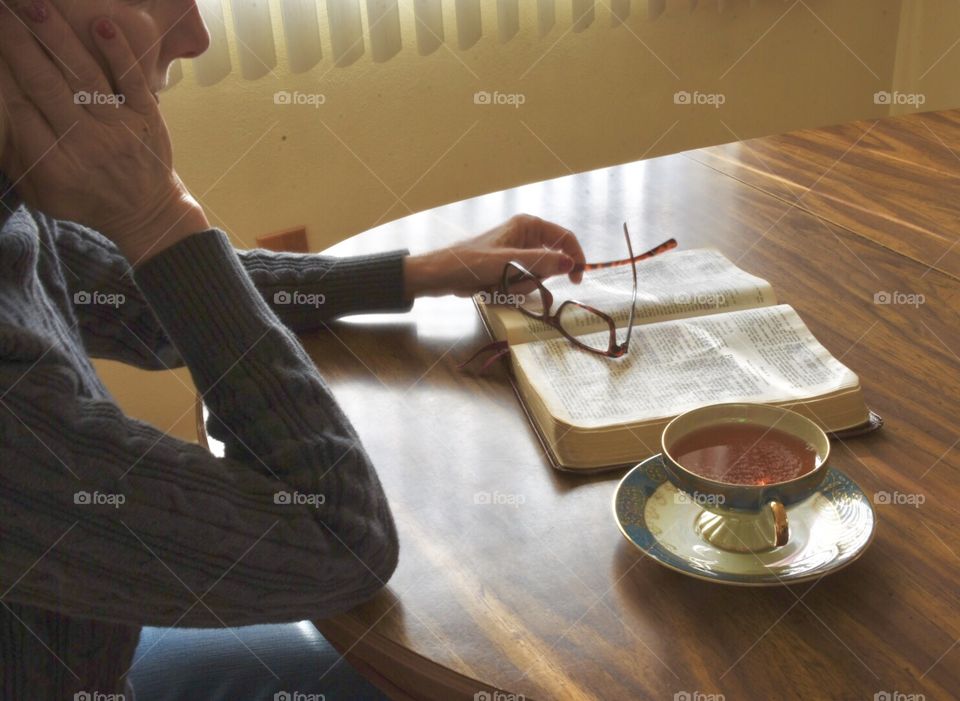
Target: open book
{"type": "Point", "coordinates": [704, 332]}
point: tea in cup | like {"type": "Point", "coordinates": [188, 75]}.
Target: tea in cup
{"type": "Point", "coordinates": [744, 463]}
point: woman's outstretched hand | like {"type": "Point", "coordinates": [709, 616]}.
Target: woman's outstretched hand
{"type": "Point", "coordinates": [83, 145]}
{"type": "Point", "coordinates": [476, 264]}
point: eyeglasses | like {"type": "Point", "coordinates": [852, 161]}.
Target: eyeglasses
{"type": "Point", "coordinates": [573, 316]}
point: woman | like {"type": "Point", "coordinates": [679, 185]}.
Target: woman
{"type": "Point", "coordinates": [107, 523]}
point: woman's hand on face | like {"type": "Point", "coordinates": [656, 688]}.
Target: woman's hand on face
{"type": "Point", "coordinates": [475, 265]}
{"type": "Point", "coordinates": [80, 148]}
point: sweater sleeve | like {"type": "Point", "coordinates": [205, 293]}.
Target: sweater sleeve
{"type": "Point", "coordinates": [304, 290]}
{"type": "Point", "coordinates": [107, 517]}
{"type": "Point", "coordinates": [307, 290]}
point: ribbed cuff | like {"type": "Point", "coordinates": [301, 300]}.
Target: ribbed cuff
{"type": "Point", "coordinates": [206, 302]}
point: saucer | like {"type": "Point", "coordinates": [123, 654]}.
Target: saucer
{"type": "Point", "coordinates": [828, 530]}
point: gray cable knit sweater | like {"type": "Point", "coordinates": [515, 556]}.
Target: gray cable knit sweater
{"type": "Point", "coordinates": [108, 524]}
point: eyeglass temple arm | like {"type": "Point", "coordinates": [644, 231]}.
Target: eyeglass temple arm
{"type": "Point", "coordinates": [633, 303]}
{"type": "Point", "coordinates": [667, 245]}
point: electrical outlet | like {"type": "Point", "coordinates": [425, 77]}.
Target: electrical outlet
{"type": "Point", "coordinates": [292, 240]}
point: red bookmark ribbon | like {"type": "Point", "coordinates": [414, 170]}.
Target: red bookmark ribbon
{"type": "Point", "coordinates": [499, 349]}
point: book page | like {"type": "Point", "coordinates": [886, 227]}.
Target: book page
{"type": "Point", "coordinates": [676, 284]}
{"type": "Point", "coordinates": [753, 355]}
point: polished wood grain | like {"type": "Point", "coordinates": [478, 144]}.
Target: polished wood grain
{"type": "Point", "coordinates": [894, 180]}
{"type": "Point", "coordinates": [540, 595]}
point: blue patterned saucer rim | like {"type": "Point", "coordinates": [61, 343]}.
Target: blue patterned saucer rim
{"type": "Point", "coordinates": [641, 482]}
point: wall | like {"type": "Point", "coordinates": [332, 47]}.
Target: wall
{"type": "Point", "coordinates": [406, 135]}
{"type": "Point", "coordinates": [928, 56]}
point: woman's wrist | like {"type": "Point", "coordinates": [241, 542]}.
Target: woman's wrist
{"type": "Point", "coordinates": [418, 273]}
{"type": "Point", "coordinates": [175, 222]}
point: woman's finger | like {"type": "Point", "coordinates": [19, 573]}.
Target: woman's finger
{"type": "Point", "coordinates": [40, 78]}
{"type": "Point", "coordinates": [546, 233]}
{"type": "Point", "coordinates": [88, 84]}
{"type": "Point", "coordinates": [79, 68]}
{"type": "Point", "coordinates": [124, 67]}
{"type": "Point", "coordinates": [27, 129]}
{"type": "Point", "coordinates": [542, 262]}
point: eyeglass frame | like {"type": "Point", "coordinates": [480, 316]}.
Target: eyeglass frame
{"type": "Point", "coordinates": [614, 349]}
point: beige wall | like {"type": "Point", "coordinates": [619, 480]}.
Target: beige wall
{"type": "Point", "coordinates": [928, 55]}
{"type": "Point", "coordinates": [162, 398]}
{"type": "Point", "coordinates": [409, 128]}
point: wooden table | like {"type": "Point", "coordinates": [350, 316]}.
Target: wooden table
{"type": "Point", "coordinates": [540, 595]}
{"type": "Point", "coordinates": [894, 181]}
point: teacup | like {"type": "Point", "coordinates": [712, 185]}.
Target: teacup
{"type": "Point", "coordinates": [737, 516]}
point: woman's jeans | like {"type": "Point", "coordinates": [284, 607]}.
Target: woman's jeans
{"type": "Point", "coordinates": [277, 662]}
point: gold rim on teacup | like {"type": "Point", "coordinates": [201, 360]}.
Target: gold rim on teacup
{"type": "Point", "coordinates": [744, 517]}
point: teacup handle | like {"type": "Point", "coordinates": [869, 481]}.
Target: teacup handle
{"type": "Point", "coordinates": [781, 529]}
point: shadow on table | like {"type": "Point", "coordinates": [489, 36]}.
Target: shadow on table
{"type": "Point", "coordinates": [730, 624]}
{"type": "Point", "coordinates": [401, 349]}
